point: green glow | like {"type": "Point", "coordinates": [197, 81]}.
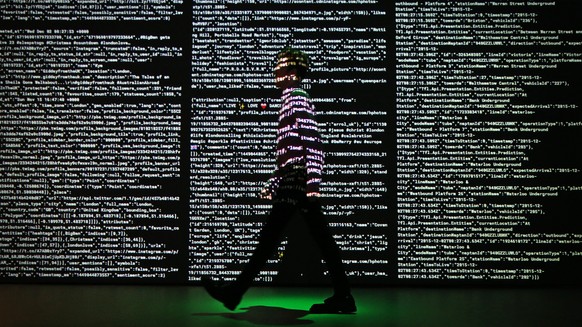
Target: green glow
{"type": "Point", "coordinates": [292, 305]}
{"type": "Point", "coordinates": [144, 306]}
{"type": "Point", "coordinates": [178, 306]}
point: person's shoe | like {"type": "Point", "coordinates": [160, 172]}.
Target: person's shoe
{"type": "Point", "coordinates": [224, 293]}
{"type": "Point", "coordinates": [335, 304]}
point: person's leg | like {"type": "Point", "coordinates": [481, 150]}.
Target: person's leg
{"type": "Point", "coordinates": [285, 205]}
{"type": "Point", "coordinates": [231, 294]}
{"type": "Point", "coordinates": [341, 301]}
{"type": "Point", "coordinates": [268, 241]}
{"type": "Point", "coordinates": [287, 201]}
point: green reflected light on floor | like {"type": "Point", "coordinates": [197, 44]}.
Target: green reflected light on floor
{"type": "Point", "coordinates": [289, 306]}
{"type": "Point", "coordinates": [190, 306]}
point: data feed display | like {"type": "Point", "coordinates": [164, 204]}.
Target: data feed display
{"type": "Point", "coordinates": [487, 136]}
{"type": "Point", "coordinates": [233, 132]}
{"type": "Point", "coordinates": [135, 138]}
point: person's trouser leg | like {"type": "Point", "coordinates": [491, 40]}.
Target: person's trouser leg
{"type": "Point", "coordinates": [319, 229]}
{"type": "Point", "coordinates": [290, 195]}
{"type": "Point", "coordinates": [289, 198]}
{"type": "Point", "coordinates": [269, 239]}
{"type": "Point", "coordinates": [231, 294]}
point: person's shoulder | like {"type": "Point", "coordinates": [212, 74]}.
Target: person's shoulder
{"type": "Point", "coordinates": [301, 93]}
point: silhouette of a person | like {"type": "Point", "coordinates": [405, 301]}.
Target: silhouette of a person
{"type": "Point", "coordinates": [293, 188]}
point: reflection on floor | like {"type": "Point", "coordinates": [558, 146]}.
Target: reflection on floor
{"type": "Point", "coordinates": [176, 306]}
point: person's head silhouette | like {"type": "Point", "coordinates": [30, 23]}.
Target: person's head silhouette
{"type": "Point", "coordinates": [292, 66]}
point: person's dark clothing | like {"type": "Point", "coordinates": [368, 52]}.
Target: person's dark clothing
{"type": "Point", "coordinates": [291, 199]}
{"type": "Point", "coordinates": [299, 166]}
{"type": "Point", "coordinates": [298, 139]}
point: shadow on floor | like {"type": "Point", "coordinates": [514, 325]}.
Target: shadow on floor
{"type": "Point", "coordinates": [264, 315]}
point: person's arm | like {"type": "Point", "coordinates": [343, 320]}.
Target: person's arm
{"type": "Point", "coordinates": [305, 126]}
{"type": "Point", "coordinates": [271, 186]}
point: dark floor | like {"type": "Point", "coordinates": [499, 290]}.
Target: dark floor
{"type": "Point", "coordinates": [176, 306]}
